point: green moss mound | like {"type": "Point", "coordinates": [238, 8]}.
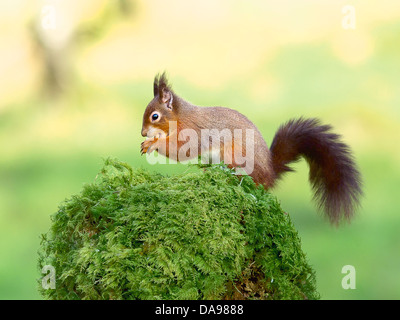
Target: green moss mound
{"type": "Point", "coordinates": [204, 234]}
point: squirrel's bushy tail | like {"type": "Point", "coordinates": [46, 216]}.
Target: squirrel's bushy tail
{"type": "Point", "coordinates": [334, 177]}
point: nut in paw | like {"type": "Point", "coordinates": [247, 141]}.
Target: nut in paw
{"type": "Point", "coordinates": [148, 146]}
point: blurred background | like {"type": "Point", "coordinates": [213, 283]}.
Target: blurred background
{"type": "Point", "coordinates": [76, 77]}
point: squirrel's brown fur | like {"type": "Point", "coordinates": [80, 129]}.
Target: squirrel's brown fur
{"type": "Point", "coordinates": [333, 174]}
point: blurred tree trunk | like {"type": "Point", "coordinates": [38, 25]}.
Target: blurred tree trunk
{"type": "Point", "coordinates": [58, 31]}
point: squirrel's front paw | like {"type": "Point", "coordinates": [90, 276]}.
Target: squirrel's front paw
{"type": "Point", "coordinates": [148, 146]}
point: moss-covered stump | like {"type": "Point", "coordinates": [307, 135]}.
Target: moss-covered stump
{"type": "Point", "coordinates": [204, 234]}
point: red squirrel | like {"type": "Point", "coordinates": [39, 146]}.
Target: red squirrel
{"type": "Point", "coordinates": [333, 174]}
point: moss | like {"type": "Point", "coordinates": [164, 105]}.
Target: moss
{"type": "Point", "coordinates": [204, 234]}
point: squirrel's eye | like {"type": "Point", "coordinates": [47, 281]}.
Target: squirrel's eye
{"type": "Point", "coordinates": [155, 116]}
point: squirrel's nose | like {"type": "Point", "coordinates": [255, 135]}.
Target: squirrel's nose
{"type": "Point", "coordinates": [144, 132]}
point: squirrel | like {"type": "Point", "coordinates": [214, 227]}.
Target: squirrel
{"type": "Point", "coordinates": [333, 174]}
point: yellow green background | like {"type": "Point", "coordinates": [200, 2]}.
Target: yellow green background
{"type": "Point", "coordinates": [74, 85]}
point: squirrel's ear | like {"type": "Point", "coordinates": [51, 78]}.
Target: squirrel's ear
{"type": "Point", "coordinates": [162, 89]}
{"type": "Point", "coordinates": [165, 96]}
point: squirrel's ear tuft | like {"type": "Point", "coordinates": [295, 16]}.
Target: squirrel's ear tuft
{"type": "Point", "coordinates": [162, 88]}
{"type": "Point", "coordinates": [155, 85]}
